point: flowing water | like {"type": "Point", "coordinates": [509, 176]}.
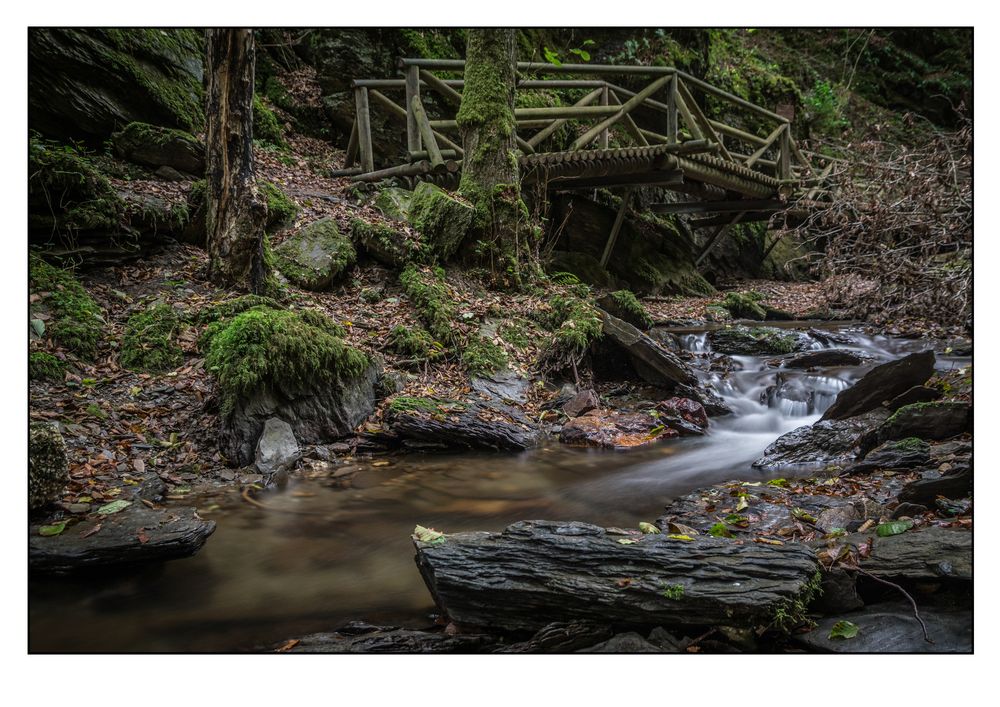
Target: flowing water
{"type": "Point", "coordinates": [332, 550]}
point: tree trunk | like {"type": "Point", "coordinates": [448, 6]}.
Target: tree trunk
{"type": "Point", "coordinates": [235, 212]}
{"type": "Point", "coordinates": [490, 178]}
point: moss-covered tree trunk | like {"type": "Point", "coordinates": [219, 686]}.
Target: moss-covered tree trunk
{"type": "Point", "coordinates": [235, 211]}
{"type": "Point", "coordinates": [490, 177]}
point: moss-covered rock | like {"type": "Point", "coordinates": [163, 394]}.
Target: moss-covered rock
{"type": "Point", "coordinates": [415, 343]}
{"type": "Point", "coordinates": [267, 350]}
{"type": "Point", "coordinates": [316, 256]}
{"type": "Point", "coordinates": [440, 218]}
{"type": "Point", "coordinates": [394, 203]}
{"type": "Point", "coordinates": [745, 305]}
{"type": "Point", "coordinates": [481, 357]}
{"type": "Point", "coordinates": [266, 126]}
{"type": "Point", "coordinates": [67, 194]}
{"type": "Point", "coordinates": [756, 341]}
{"type": "Point", "coordinates": [45, 366]}
{"type": "Point", "coordinates": [48, 470]}
{"type": "Point", "coordinates": [157, 146]}
{"type": "Point", "coordinates": [626, 306]}
{"type": "Point", "coordinates": [281, 210]}
{"type": "Point", "coordinates": [427, 289]}
{"type": "Point", "coordinates": [393, 247]}
{"type": "Point", "coordinates": [89, 82]}
{"type": "Point", "coordinates": [150, 343]}
{"type": "Point", "coordinates": [575, 323]}
{"type": "Point", "coordinates": [75, 320]}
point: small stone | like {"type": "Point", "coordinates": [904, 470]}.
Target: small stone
{"type": "Point", "coordinates": [79, 508]}
{"type": "Point", "coordinates": [581, 403]}
{"type": "Point", "coordinates": [909, 510]}
{"type": "Point", "coordinates": [277, 449]}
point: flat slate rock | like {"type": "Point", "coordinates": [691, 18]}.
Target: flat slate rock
{"type": "Point", "coordinates": [890, 627]}
{"type": "Point", "coordinates": [931, 553]}
{"type": "Point", "coordinates": [824, 357]}
{"type": "Point", "coordinates": [170, 533]}
{"type": "Point", "coordinates": [827, 442]}
{"type": "Point", "coordinates": [882, 384]}
{"type": "Point", "coordinates": [364, 638]}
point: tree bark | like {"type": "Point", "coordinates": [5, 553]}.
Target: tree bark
{"type": "Point", "coordinates": [490, 178]}
{"type": "Point", "coordinates": [235, 212]}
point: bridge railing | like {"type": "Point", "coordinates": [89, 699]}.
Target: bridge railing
{"type": "Point", "coordinates": [664, 114]}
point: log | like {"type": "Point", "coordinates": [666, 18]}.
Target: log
{"type": "Point", "coordinates": [467, 428]}
{"type": "Point", "coordinates": [538, 572]}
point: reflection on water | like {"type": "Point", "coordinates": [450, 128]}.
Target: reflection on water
{"type": "Point", "coordinates": [327, 554]}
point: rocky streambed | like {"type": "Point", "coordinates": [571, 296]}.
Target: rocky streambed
{"type": "Point", "coordinates": [795, 505]}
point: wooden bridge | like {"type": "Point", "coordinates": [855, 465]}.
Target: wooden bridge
{"type": "Point", "coordinates": [657, 136]}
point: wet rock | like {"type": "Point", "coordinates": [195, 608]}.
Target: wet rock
{"type": "Point", "coordinates": [316, 415]}
{"type": "Point", "coordinates": [831, 338]}
{"type": "Point", "coordinates": [316, 255]}
{"type": "Point", "coordinates": [48, 469]}
{"type": "Point", "coordinates": [561, 638]}
{"type": "Point", "coordinates": [610, 304]}
{"type": "Point", "coordinates": [169, 174]}
{"type": "Point", "coordinates": [686, 409]}
{"type": "Point", "coordinates": [277, 449]}
{"type": "Point", "coordinates": [581, 403]}
{"type": "Point", "coordinates": [792, 395]}
{"type": "Point", "coordinates": [890, 627]}
{"type": "Point", "coordinates": [136, 534]}
{"type": "Point", "coordinates": [956, 484]}
{"type": "Point", "coordinates": [840, 593]}
{"type": "Point", "coordinates": [364, 638]}
{"type": "Point", "coordinates": [654, 363]}
{"type": "Point", "coordinates": [916, 394]}
{"type": "Point", "coordinates": [908, 510]}
{"type": "Point", "coordinates": [630, 642]}
{"type": "Point", "coordinates": [826, 357]}
{"type": "Point", "coordinates": [561, 571]}
{"type": "Point", "coordinates": [939, 420]}
{"type": "Point", "coordinates": [659, 636]}
{"type": "Point", "coordinates": [503, 386]}
{"type": "Point", "coordinates": [151, 488]}
{"type": "Point", "coordinates": [903, 454]}
{"type": "Point", "coordinates": [929, 553]}
{"type": "Point", "coordinates": [466, 425]}
{"type": "Point", "coordinates": [833, 518]}
{"type": "Point", "coordinates": [881, 384]}
{"type": "Point", "coordinates": [756, 341]}
{"type": "Point", "coordinates": [79, 508]}
{"type": "Point", "coordinates": [612, 429]}
{"type": "Point", "coordinates": [828, 442]}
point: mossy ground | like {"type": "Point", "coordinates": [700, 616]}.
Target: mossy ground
{"type": "Point", "coordinates": [482, 357]}
{"type": "Point", "coordinates": [415, 342]}
{"type": "Point", "coordinates": [280, 209]}
{"type": "Point", "coordinates": [745, 305]}
{"type": "Point", "coordinates": [76, 321]}
{"type": "Point", "coordinates": [266, 126]}
{"type": "Point", "coordinates": [429, 293]}
{"type": "Point", "coordinates": [630, 304]}
{"type": "Point", "coordinates": [150, 342]}
{"type": "Point", "coordinates": [278, 350]}
{"type": "Point", "coordinates": [45, 366]}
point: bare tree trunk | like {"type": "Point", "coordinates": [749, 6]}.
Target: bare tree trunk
{"type": "Point", "coordinates": [490, 176]}
{"type": "Point", "coordinates": [235, 211]}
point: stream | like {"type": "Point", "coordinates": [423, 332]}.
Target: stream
{"type": "Point", "coordinates": [338, 549]}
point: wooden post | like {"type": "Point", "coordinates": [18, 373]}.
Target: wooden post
{"type": "Point", "coordinates": [685, 112]}
{"type": "Point", "coordinates": [351, 156]}
{"type": "Point", "coordinates": [630, 125]}
{"type": "Point", "coordinates": [400, 112]}
{"type": "Point", "coordinates": [672, 111]}
{"type": "Point", "coordinates": [426, 134]}
{"type": "Point", "coordinates": [412, 91]}
{"type": "Point", "coordinates": [625, 109]}
{"type": "Point", "coordinates": [364, 129]}
{"type": "Point", "coordinates": [604, 133]}
{"type": "Point", "coordinates": [785, 155]}
{"type": "Point", "coordinates": [619, 219]}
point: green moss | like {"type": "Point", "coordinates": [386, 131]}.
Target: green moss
{"type": "Point", "coordinates": [316, 256]}
{"type": "Point", "coordinates": [266, 349]}
{"type": "Point", "coordinates": [138, 134]}
{"type": "Point", "coordinates": [674, 592]}
{"type": "Point", "coordinates": [429, 294]}
{"type": "Point", "coordinates": [482, 357]}
{"type": "Point", "coordinates": [629, 304]}
{"type": "Point", "coordinates": [150, 343]}
{"type": "Point", "coordinates": [755, 341]}
{"type": "Point", "coordinates": [280, 209]}
{"type": "Point", "coordinates": [230, 308]}
{"type": "Point", "coordinates": [793, 612]}
{"type": "Point", "coordinates": [910, 444]}
{"type": "Point", "coordinates": [415, 342]}
{"type": "Point", "coordinates": [575, 322]}
{"type": "Point", "coordinates": [519, 333]}
{"type": "Point", "coordinates": [66, 193]}
{"type": "Point", "coordinates": [394, 203]}
{"type": "Point", "coordinates": [745, 305]}
{"type": "Point", "coordinates": [431, 43]}
{"type": "Point", "coordinates": [94, 410]}
{"type": "Point", "coordinates": [434, 406]}
{"type": "Point", "coordinates": [77, 322]}
{"type": "Point", "coordinates": [584, 267]}
{"type": "Point", "coordinates": [657, 272]}
{"type": "Point", "coordinates": [388, 245]}
{"type": "Point", "coordinates": [45, 366]}
{"type": "Point", "coordinates": [266, 127]}
{"type": "Point", "coordinates": [440, 218]}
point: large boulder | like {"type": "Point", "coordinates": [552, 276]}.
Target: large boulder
{"type": "Point", "coordinates": [48, 471]}
{"type": "Point", "coordinates": [937, 420]}
{"type": "Point", "coordinates": [441, 218]}
{"type": "Point", "coordinates": [756, 341]}
{"type": "Point", "coordinates": [157, 147]}
{"type": "Point", "coordinates": [881, 384]}
{"type": "Point", "coordinates": [391, 245]}
{"type": "Point", "coordinates": [316, 255]}
{"type": "Point", "coordinates": [89, 82]}
{"type": "Point", "coordinates": [826, 443]}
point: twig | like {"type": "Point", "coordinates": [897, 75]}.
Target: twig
{"type": "Point", "coordinates": [916, 614]}
{"type": "Point", "coordinates": [245, 495]}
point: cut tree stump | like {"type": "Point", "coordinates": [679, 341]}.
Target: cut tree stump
{"type": "Point", "coordinates": [538, 572]}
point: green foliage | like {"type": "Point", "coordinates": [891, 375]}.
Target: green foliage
{"type": "Point", "coordinates": [843, 630]}
{"type": "Point", "coordinates": [94, 410]}
{"type": "Point", "coordinates": [631, 305]}
{"type": "Point", "coordinates": [267, 349]}
{"type": "Point", "coordinates": [745, 305]}
{"type": "Point", "coordinates": [519, 333]}
{"type": "Point", "coordinates": [45, 366]}
{"type": "Point", "coordinates": [719, 530]}
{"type": "Point", "coordinates": [791, 613]}
{"type": "Point", "coordinates": [576, 323]}
{"type": "Point", "coordinates": [674, 592]}
{"type": "Point", "coordinates": [482, 357]}
{"type": "Point", "coordinates": [150, 343]}
{"type": "Point", "coordinates": [431, 43]}
{"type": "Point", "coordinates": [415, 342]}
{"type": "Point", "coordinates": [825, 107]}
{"type": "Point", "coordinates": [266, 127]}
{"type": "Point", "coordinates": [77, 322]}
{"type": "Point", "coordinates": [429, 294]}
{"type": "Point", "coordinates": [280, 209]}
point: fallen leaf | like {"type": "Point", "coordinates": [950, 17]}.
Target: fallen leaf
{"type": "Point", "coordinates": [894, 527]}
{"type": "Point", "coordinates": [113, 507]}
{"type": "Point", "coordinates": [288, 645]}
{"type": "Point", "coordinates": [92, 531]}
{"type": "Point", "coordinates": [685, 538]}
{"type": "Point", "coordinates": [139, 465]}
{"type": "Point", "coordinates": [54, 529]}
{"type": "Point", "coordinates": [428, 535]}
{"type": "Point", "coordinates": [648, 528]}
{"type": "Point", "coordinates": [843, 630]}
